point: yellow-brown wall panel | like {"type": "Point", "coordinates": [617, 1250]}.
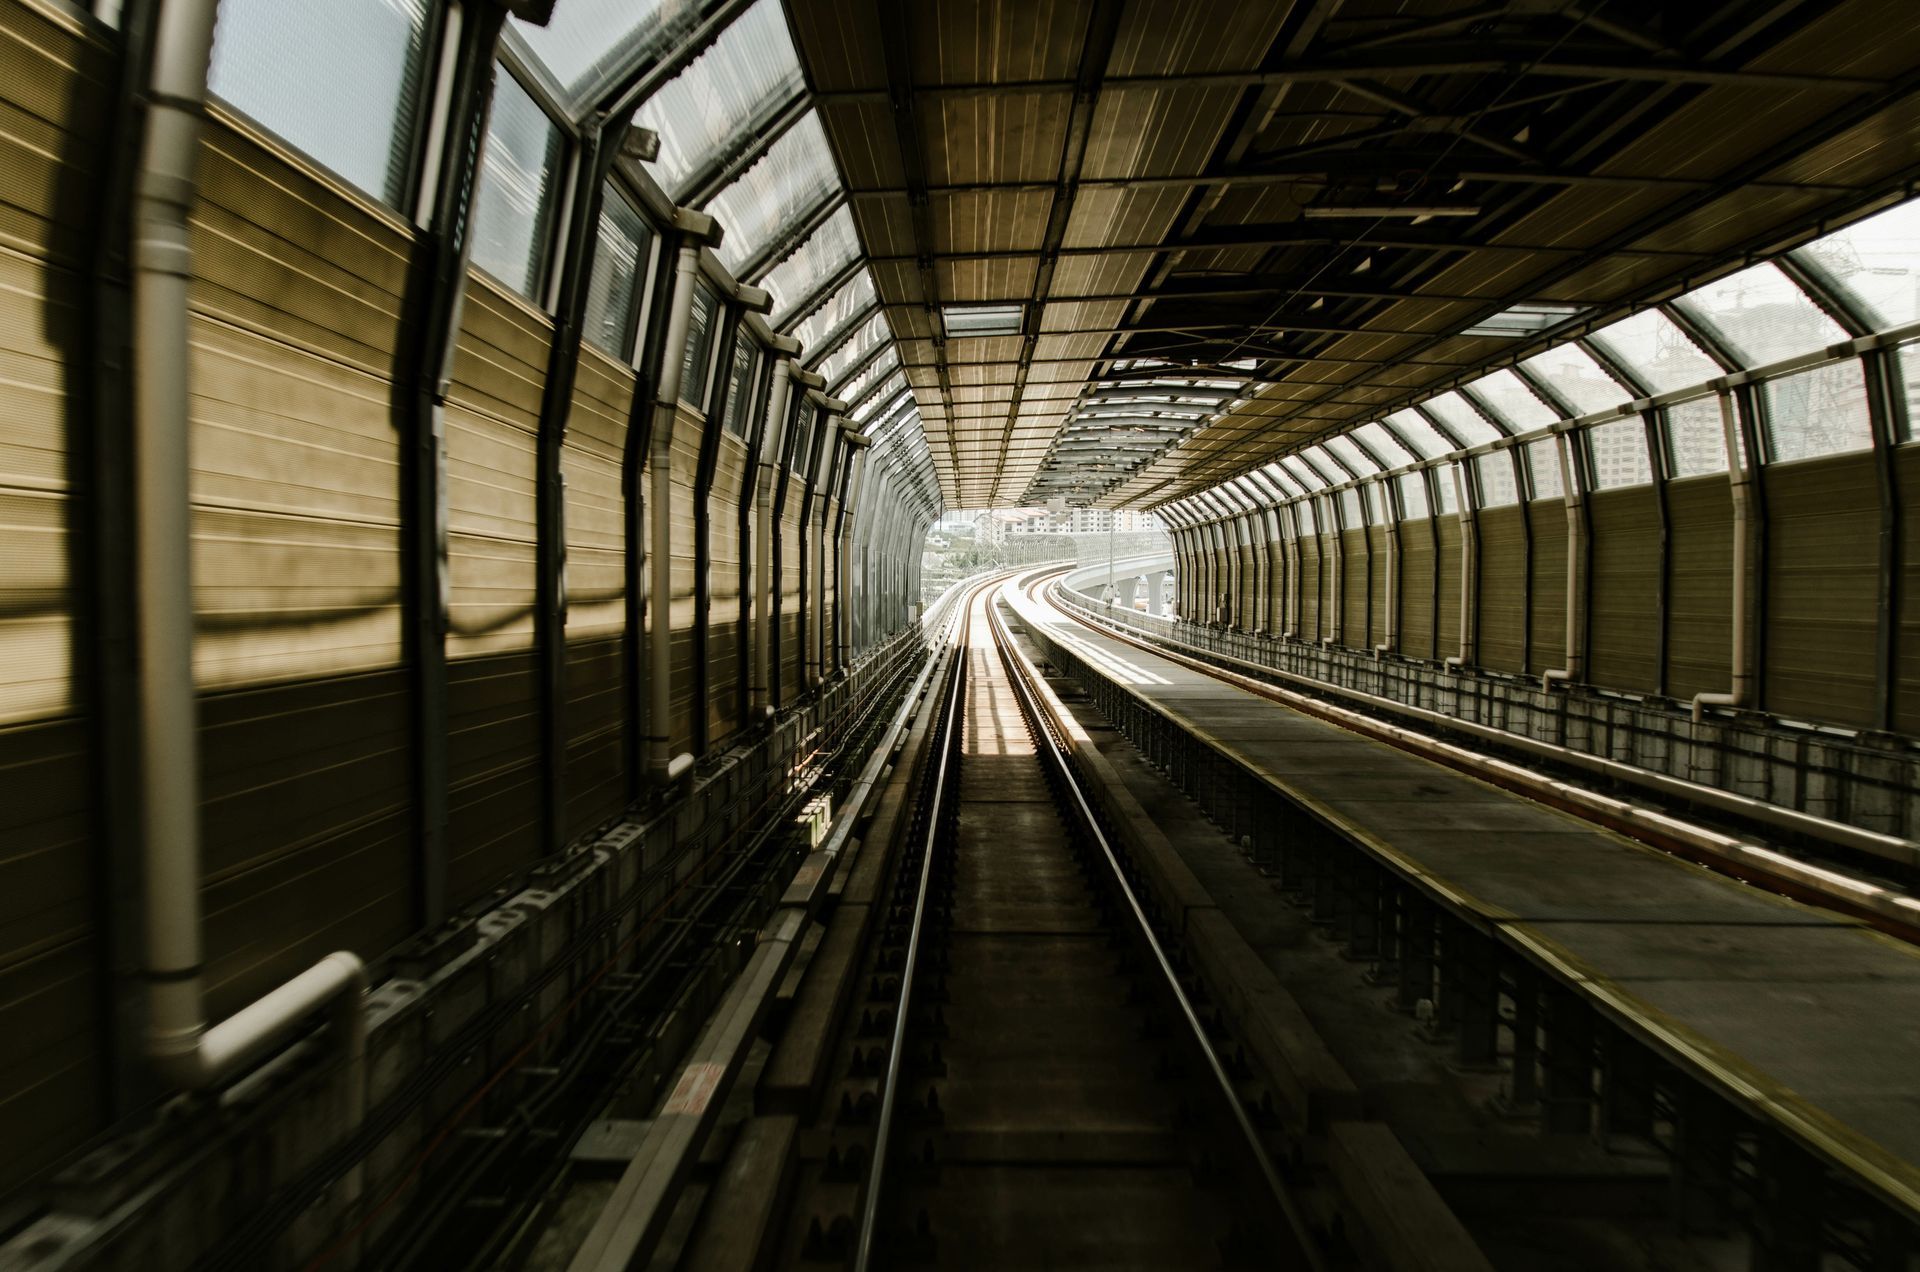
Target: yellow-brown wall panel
{"type": "Point", "coordinates": [1416, 588]}
{"type": "Point", "coordinates": [1624, 626]}
{"type": "Point", "coordinates": [1700, 608]}
{"type": "Point", "coordinates": [1503, 588]}
{"type": "Point", "coordinates": [1547, 643]}
{"type": "Point", "coordinates": [1823, 522]}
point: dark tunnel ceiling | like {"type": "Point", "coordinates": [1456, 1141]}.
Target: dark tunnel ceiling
{"type": "Point", "coordinates": [1207, 233]}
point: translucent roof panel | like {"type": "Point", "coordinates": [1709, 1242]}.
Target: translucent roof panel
{"type": "Point", "coordinates": [857, 345]}
{"type": "Point", "coordinates": [794, 177]}
{"type": "Point", "coordinates": [1280, 477]}
{"type": "Point", "coordinates": [1461, 419]}
{"type": "Point", "coordinates": [1876, 262]}
{"type": "Point", "coordinates": [1570, 372]}
{"type": "Point", "coordinates": [1303, 475]}
{"type": "Point", "coordinates": [856, 387]}
{"type": "Point", "coordinates": [826, 252]}
{"type": "Point", "coordinates": [1351, 454]}
{"type": "Point", "coordinates": [829, 319]}
{"type": "Point", "coordinates": [1316, 458]}
{"type": "Point", "coordinates": [1518, 406]}
{"type": "Point", "coordinates": [1412, 428]}
{"type": "Point", "coordinates": [889, 362]}
{"type": "Point", "coordinates": [1389, 448]}
{"type": "Point", "coordinates": [707, 110]}
{"type": "Point", "coordinates": [589, 43]}
{"type": "Point", "coordinates": [1762, 316]}
{"type": "Point", "coordinates": [1664, 357]}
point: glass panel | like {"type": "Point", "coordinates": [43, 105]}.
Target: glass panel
{"type": "Point", "coordinates": [619, 272]}
{"type": "Point", "coordinates": [856, 388]}
{"type": "Point", "coordinates": [514, 198]}
{"type": "Point", "coordinates": [1497, 485]}
{"type": "Point", "coordinates": [1908, 357]}
{"type": "Point", "coordinates": [1571, 372]}
{"type": "Point", "coordinates": [1279, 476]}
{"type": "Point", "coordinates": [1448, 493]}
{"type": "Point", "coordinates": [704, 111]}
{"type": "Point", "coordinates": [693, 369]}
{"type": "Point", "coordinates": [1354, 458]}
{"type": "Point", "coordinates": [1543, 469]}
{"type": "Point", "coordinates": [793, 178]}
{"type": "Point", "coordinates": [1413, 495]}
{"type": "Point", "coordinates": [1389, 448]}
{"type": "Point", "coordinates": [896, 383]}
{"type": "Point", "coordinates": [1619, 452]}
{"type": "Point", "coordinates": [337, 79]}
{"type": "Point", "coordinates": [1817, 412]}
{"type": "Point", "coordinates": [825, 253]}
{"type": "Point", "coordinates": [832, 316]}
{"type": "Point", "coordinates": [740, 389]}
{"type": "Point", "coordinates": [1350, 515]}
{"type": "Point", "coordinates": [1316, 458]}
{"type": "Point", "coordinates": [1663, 356]}
{"type": "Point", "coordinates": [1518, 406]}
{"type": "Point", "coordinates": [1696, 437]}
{"type": "Point", "coordinates": [858, 344]}
{"type": "Point", "coordinates": [1309, 518]}
{"type": "Point", "coordinates": [1762, 315]}
{"type": "Point", "coordinates": [1461, 419]}
{"type": "Point", "coordinates": [587, 42]}
{"type": "Point", "coordinates": [1419, 434]}
{"type": "Point", "coordinates": [1304, 477]}
{"type": "Point", "coordinates": [1876, 262]}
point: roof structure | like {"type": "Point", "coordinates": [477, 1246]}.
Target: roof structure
{"type": "Point", "coordinates": [1122, 250]}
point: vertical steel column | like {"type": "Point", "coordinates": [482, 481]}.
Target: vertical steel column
{"type": "Point", "coordinates": [593, 160]}
{"type": "Point", "coordinates": [436, 289]}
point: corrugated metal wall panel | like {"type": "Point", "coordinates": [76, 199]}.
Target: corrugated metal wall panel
{"type": "Point", "coordinates": [723, 614]}
{"type": "Point", "coordinates": [1354, 586]}
{"type": "Point", "coordinates": [1312, 581]}
{"type": "Point", "coordinates": [1379, 599]}
{"type": "Point", "coordinates": [1700, 603]}
{"type": "Point", "coordinates": [1503, 588]}
{"type": "Point", "coordinates": [1547, 586]}
{"type": "Point", "coordinates": [1446, 611]}
{"type": "Point", "coordinates": [1906, 693]}
{"type": "Point", "coordinates": [591, 461]}
{"type": "Point", "coordinates": [297, 568]}
{"type": "Point", "coordinates": [55, 86]}
{"type": "Point", "coordinates": [1623, 629]}
{"type": "Point", "coordinates": [492, 704]}
{"type": "Point", "coordinates": [1416, 588]}
{"type": "Point", "coordinates": [1822, 589]}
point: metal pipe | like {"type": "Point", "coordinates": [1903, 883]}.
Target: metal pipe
{"type": "Point", "coordinates": [1574, 491]}
{"type": "Point", "coordinates": [1469, 567]}
{"type": "Point", "coordinates": [843, 544]}
{"type": "Point", "coordinates": [1390, 621]}
{"type": "Point", "coordinates": [1740, 480]}
{"type": "Point", "coordinates": [772, 434]}
{"type": "Point", "coordinates": [663, 766]}
{"type": "Point", "coordinates": [179, 1042]}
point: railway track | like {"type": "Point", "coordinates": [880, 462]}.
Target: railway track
{"type": "Point", "coordinates": [1046, 1091]}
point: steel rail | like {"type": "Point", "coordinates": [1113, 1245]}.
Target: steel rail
{"type": "Point", "coordinates": [950, 744]}
{"type": "Point", "coordinates": [1023, 676]}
